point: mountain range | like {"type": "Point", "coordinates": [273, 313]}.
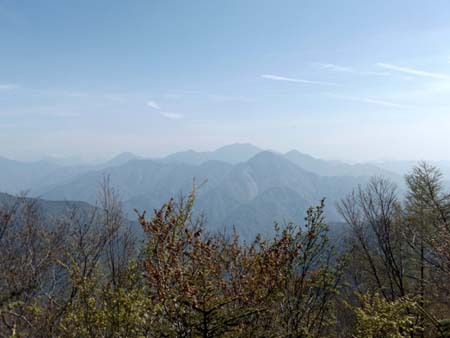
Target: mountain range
{"type": "Point", "coordinates": [240, 185]}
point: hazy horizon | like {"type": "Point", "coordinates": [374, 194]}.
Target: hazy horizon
{"type": "Point", "coordinates": [351, 80]}
{"type": "Point", "coordinates": [78, 159]}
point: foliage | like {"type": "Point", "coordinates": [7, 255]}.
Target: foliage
{"type": "Point", "coordinates": [85, 275]}
{"type": "Point", "coordinates": [380, 318]}
{"type": "Point", "coordinates": [210, 287]}
{"type": "Point", "coordinates": [108, 311]}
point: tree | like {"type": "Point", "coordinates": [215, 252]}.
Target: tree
{"type": "Point", "coordinates": [29, 280]}
{"type": "Point", "coordinates": [47, 262]}
{"type": "Point", "coordinates": [427, 232]}
{"type": "Point", "coordinates": [428, 212]}
{"type": "Point", "coordinates": [378, 317]}
{"type": "Point", "coordinates": [192, 277]}
{"type": "Point", "coordinates": [309, 280]}
{"type": "Point", "coordinates": [206, 286]}
{"type": "Point", "coordinates": [374, 216]}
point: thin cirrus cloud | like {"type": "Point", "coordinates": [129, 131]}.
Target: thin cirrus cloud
{"type": "Point", "coordinates": [376, 101]}
{"type": "Point", "coordinates": [153, 104]}
{"type": "Point", "coordinates": [171, 116]}
{"type": "Point", "coordinates": [335, 68]}
{"type": "Point", "coordinates": [290, 79]}
{"type": "Point", "coordinates": [341, 69]}
{"type": "Point", "coordinates": [8, 86]}
{"type": "Point", "coordinates": [413, 71]}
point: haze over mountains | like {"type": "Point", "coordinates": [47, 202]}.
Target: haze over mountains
{"type": "Point", "coordinates": [49, 210]}
{"type": "Point", "coordinates": [245, 186]}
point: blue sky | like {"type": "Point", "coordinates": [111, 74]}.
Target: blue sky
{"type": "Point", "coordinates": [354, 80]}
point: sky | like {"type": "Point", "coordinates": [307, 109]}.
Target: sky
{"type": "Point", "coordinates": [350, 80]}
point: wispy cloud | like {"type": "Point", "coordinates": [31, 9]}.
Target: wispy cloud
{"type": "Point", "coordinates": [369, 73]}
{"type": "Point", "coordinates": [220, 98]}
{"type": "Point", "coordinates": [371, 100]}
{"type": "Point", "coordinates": [335, 68]}
{"type": "Point", "coordinates": [413, 71]}
{"type": "Point", "coordinates": [296, 80]}
{"type": "Point", "coordinates": [172, 116]}
{"type": "Point", "coordinates": [153, 104]}
{"type": "Point", "coordinates": [341, 69]}
{"type": "Point", "coordinates": [8, 86]}
{"type": "Point", "coordinates": [167, 115]}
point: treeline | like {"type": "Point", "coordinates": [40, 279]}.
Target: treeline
{"type": "Point", "coordinates": [87, 275]}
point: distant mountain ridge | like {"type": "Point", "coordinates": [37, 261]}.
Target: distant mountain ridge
{"type": "Point", "coordinates": [48, 209]}
{"type": "Point", "coordinates": [17, 176]}
{"type": "Point", "coordinates": [233, 153]}
{"type": "Point", "coordinates": [249, 184]}
{"type": "Point", "coordinates": [335, 168]}
{"type": "Point", "coordinates": [265, 188]}
{"type": "Point", "coordinates": [246, 187]}
{"type": "Point", "coordinates": [120, 159]}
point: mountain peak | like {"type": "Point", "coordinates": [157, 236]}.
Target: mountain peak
{"type": "Point", "coordinates": [266, 155]}
{"type": "Point", "coordinates": [232, 153]}
{"type": "Point", "coordinates": [122, 158]}
{"type": "Point", "coordinates": [297, 153]}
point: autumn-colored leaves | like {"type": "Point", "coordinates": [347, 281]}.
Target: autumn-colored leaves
{"type": "Point", "coordinates": [210, 286]}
